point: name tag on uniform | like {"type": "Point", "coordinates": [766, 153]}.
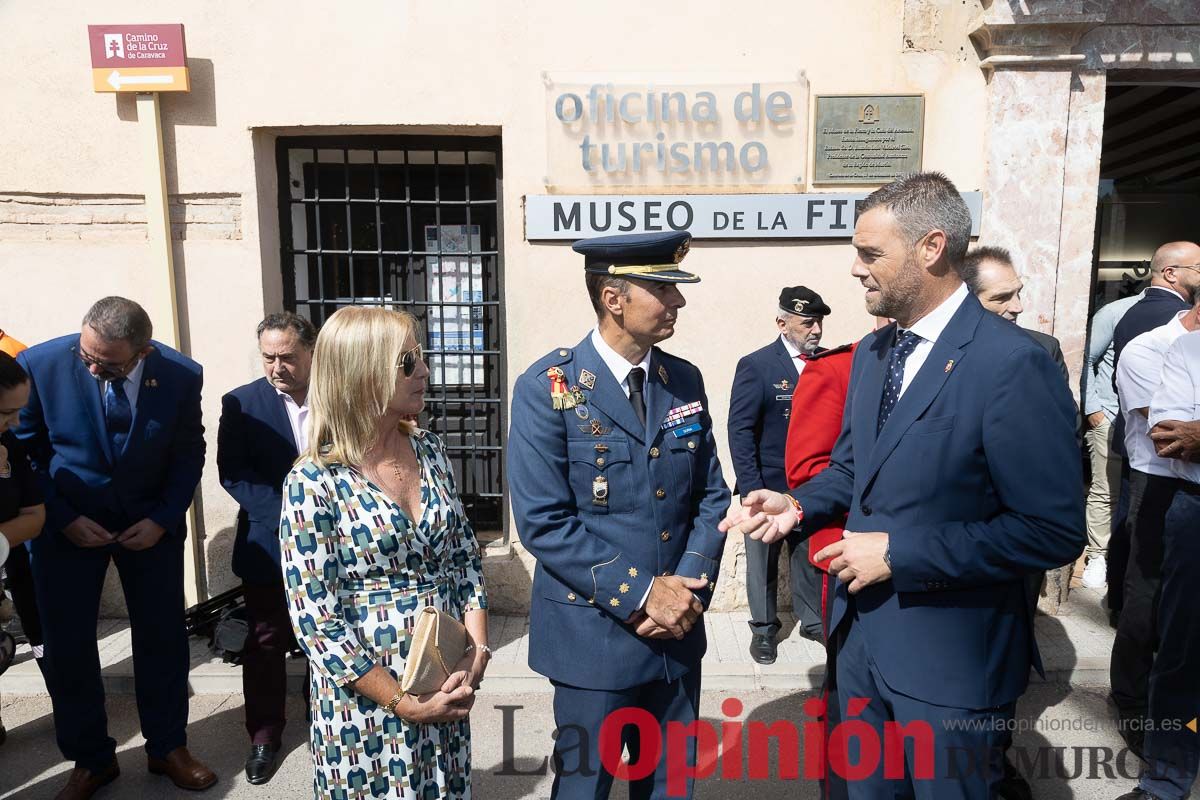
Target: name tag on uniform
{"type": "Point", "coordinates": [686, 429]}
{"type": "Point", "coordinates": [783, 397]}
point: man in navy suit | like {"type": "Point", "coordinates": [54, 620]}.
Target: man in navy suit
{"type": "Point", "coordinates": [958, 467]}
{"type": "Point", "coordinates": [113, 428]}
{"type": "Point", "coordinates": [617, 491]}
{"type": "Point", "coordinates": [262, 431]}
{"type": "Point", "coordinates": [759, 405]}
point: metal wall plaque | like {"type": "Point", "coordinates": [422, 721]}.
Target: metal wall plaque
{"type": "Point", "coordinates": [863, 139]}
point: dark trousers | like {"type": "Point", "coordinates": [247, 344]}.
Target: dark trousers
{"type": "Point", "coordinates": [69, 581]}
{"type": "Point", "coordinates": [20, 583]}
{"type": "Point", "coordinates": [1137, 631]}
{"type": "Point", "coordinates": [1118, 545]}
{"type": "Point", "coordinates": [967, 758]}
{"type": "Point", "coordinates": [578, 716]}
{"type": "Point", "coordinates": [264, 662]}
{"type": "Point", "coordinates": [762, 580]}
{"type": "Point", "coordinates": [1172, 751]}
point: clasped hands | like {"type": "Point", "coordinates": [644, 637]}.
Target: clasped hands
{"type": "Point", "coordinates": [671, 609]}
{"type": "Point", "coordinates": [84, 532]}
{"type": "Point", "coordinates": [456, 697]}
{"type": "Point", "coordinates": [1175, 439]}
{"type": "Point", "coordinates": [858, 559]}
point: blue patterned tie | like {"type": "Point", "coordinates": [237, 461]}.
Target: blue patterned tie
{"type": "Point", "coordinates": [906, 342]}
{"type": "Point", "coordinates": [117, 415]}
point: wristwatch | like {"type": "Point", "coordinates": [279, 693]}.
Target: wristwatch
{"type": "Point", "coordinates": [887, 555]}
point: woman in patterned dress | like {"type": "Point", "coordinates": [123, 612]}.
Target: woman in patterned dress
{"type": "Point", "coordinates": [373, 530]}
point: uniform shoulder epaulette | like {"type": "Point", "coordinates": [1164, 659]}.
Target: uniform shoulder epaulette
{"type": "Point", "coordinates": [552, 359]}
{"type": "Point", "coordinates": [846, 348]}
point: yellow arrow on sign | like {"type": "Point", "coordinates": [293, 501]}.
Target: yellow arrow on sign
{"type": "Point", "coordinates": [1192, 725]}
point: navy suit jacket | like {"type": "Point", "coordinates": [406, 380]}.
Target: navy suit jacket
{"type": "Point", "coordinates": [63, 427]}
{"type": "Point", "coordinates": [759, 404]}
{"type": "Point", "coordinates": [977, 480]}
{"type": "Point", "coordinates": [255, 452]}
{"type": "Point", "coordinates": [596, 555]}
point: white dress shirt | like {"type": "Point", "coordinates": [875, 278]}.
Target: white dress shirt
{"type": "Point", "coordinates": [619, 366]}
{"type": "Point", "coordinates": [131, 384]}
{"type": "Point", "coordinates": [1139, 374]}
{"type": "Point", "coordinates": [298, 418]}
{"type": "Point", "coordinates": [794, 353]}
{"type": "Point", "coordinates": [929, 328]}
{"type": "Point", "coordinates": [1178, 396]}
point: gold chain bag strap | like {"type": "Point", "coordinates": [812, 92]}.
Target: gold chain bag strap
{"type": "Point", "coordinates": [439, 641]}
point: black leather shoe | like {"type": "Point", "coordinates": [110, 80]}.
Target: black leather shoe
{"type": "Point", "coordinates": [261, 763]}
{"type": "Point", "coordinates": [1138, 794]}
{"type": "Point", "coordinates": [763, 648]}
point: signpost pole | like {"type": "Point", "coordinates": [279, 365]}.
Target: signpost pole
{"type": "Point", "coordinates": [162, 298]}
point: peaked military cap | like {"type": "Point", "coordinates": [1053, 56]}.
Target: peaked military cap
{"type": "Point", "coordinates": [803, 302]}
{"type": "Point", "coordinates": [649, 256]}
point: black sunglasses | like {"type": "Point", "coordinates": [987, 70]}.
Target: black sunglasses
{"type": "Point", "coordinates": [408, 361]}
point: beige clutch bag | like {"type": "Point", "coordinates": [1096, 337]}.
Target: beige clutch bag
{"type": "Point", "coordinates": [439, 641]}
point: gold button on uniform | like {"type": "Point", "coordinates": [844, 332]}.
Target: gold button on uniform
{"type": "Point", "coordinates": [665, 536]}
{"type": "Point", "coordinates": [571, 596]}
{"type": "Point", "coordinates": [654, 451]}
{"type": "Point", "coordinates": [691, 445]}
{"type": "Point", "coordinates": [660, 494]}
{"type": "Point", "coordinates": [562, 352]}
{"type": "Point", "coordinates": [600, 461]}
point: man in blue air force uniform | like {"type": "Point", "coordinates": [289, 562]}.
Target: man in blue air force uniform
{"type": "Point", "coordinates": [617, 491]}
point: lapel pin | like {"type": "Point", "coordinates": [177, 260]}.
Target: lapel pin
{"type": "Point", "coordinates": [949, 365]}
{"type": "Point", "coordinates": [587, 380]}
{"type": "Point", "coordinates": [582, 412]}
{"type": "Point", "coordinates": [151, 382]}
{"type": "Point", "coordinates": [662, 374]}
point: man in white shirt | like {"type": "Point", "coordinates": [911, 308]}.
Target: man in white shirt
{"type": "Point", "coordinates": [1172, 751]}
{"type": "Point", "coordinates": [760, 403]}
{"type": "Point", "coordinates": [262, 430]}
{"type": "Point", "coordinates": [1152, 487]}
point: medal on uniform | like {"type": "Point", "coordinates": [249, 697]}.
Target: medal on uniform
{"type": "Point", "coordinates": [600, 491]}
{"type": "Point", "coordinates": [560, 397]}
{"type": "Point", "coordinates": [586, 379]}
{"type": "Point", "coordinates": [783, 385]}
{"type": "Point", "coordinates": [677, 415]}
{"type": "Point", "coordinates": [595, 428]}
{"type": "Point", "coordinates": [582, 412]}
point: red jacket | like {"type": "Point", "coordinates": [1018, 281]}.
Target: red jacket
{"type": "Point", "coordinates": [814, 425]}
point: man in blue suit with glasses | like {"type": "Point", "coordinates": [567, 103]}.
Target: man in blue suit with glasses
{"type": "Point", "coordinates": [113, 429]}
{"type": "Point", "coordinates": [958, 467]}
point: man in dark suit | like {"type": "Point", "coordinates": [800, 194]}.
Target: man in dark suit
{"type": "Point", "coordinates": [990, 275]}
{"type": "Point", "coordinates": [1174, 282]}
{"type": "Point", "coordinates": [617, 491]}
{"type": "Point", "coordinates": [958, 466]}
{"type": "Point", "coordinates": [261, 433]}
{"type": "Point", "coordinates": [759, 406]}
{"type": "Point", "coordinates": [113, 428]}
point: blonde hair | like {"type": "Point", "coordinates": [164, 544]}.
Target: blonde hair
{"type": "Point", "coordinates": [353, 380]}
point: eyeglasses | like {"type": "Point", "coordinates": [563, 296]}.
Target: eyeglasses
{"type": "Point", "coordinates": [408, 361]}
{"type": "Point", "coordinates": [90, 360]}
{"type": "Point", "coordinates": [1184, 266]}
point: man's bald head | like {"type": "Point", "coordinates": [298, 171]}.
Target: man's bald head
{"type": "Point", "coordinates": [1176, 266]}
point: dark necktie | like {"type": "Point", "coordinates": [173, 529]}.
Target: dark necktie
{"type": "Point", "coordinates": [118, 415]}
{"type": "Point", "coordinates": [637, 380]}
{"type": "Point", "coordinates": [906, 342]}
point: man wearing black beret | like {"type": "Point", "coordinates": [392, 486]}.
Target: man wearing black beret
{"type": "Point", "coordinates": [759, 405]}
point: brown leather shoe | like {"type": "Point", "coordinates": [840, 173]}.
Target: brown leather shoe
{"type": "Point", "coordinates": [83, 783]}
{"type": "Point", "coordinates": [183, 770]}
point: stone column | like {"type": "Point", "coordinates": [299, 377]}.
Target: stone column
{"type": "Point", "coordinates": [1046, 114]}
